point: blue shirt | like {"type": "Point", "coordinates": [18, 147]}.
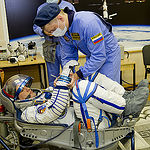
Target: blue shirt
{"type": "Point", "coordinates": [90, 35]}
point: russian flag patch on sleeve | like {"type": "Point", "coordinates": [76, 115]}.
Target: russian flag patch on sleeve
{"type": "Point", "coordinates": [97, 38]}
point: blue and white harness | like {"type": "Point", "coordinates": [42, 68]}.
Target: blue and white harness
{"type": "Point", "coordinates": [82, 101]}
{"type": "Point", "coordinates": [83, 108]}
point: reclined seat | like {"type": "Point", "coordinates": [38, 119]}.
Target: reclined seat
{"type": "Point", "coordinates": [62, 134]}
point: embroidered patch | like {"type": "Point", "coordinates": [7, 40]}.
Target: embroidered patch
{"type": "Point", "coordinates": [75, 36]}
{"type": "Point", "coordinates": [66, 38]}
{"type": "Point", "coordinates": [41, 109]}
{"type": "Point", "coordinates": [97, 38]}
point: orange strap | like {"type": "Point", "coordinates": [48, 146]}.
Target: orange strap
{"type": "Point", "coordinates": [89, 128]}
{"type": "Point", "coordinates": [79, 127]}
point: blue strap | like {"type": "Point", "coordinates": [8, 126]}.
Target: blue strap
{"type": "Point", "coordinates": [64, 81]}
{"type": "Point", "coordinates": [95, 75]}
{"type": "Point", "coordinates": [86, 91]}
{"type": "Point", "coordinates": [83, 115]}
{"type": "Point", "coordinates": [92, 92]}
{"type": "Point", "coordinates": [100, 115]}
{"type": "Point", "coordinates": [85, 112]}
{"type": "Point", "coordinates": [85, 97]}
{"type": "Point", "coordinates": [90, 78]}
{"type": "Point", "coordinates": [108, 103]}
{"type": "Point", "coordinates": [75, 99]}
{"type": "Point", "coordinates": [79, 94]}
{"type": "Point", "coordinates": [64, 78]}
{"type": "Point", "coordinates": [96, 134]}
{"type": "Point", "coordinates": [79, 97]}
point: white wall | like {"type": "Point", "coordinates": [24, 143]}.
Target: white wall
{"type": "Point", "coordinates": [4, 39]}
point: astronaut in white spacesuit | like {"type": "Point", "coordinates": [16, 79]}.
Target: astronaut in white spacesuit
{"type": "Point", "coordinates": [96, 98]}
{"type": "Point", "coordinates": [55, 103]}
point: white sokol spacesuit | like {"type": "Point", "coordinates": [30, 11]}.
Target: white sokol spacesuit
{"type": "Point", "coordinates": [95, 100]}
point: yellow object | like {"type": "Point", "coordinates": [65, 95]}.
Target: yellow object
{"type": "Point", "coordinates": [43, 110]}
{"type": "Point", "coordinates": [75, 36]}
{"type": "Point", "coordinates": [2, 75]}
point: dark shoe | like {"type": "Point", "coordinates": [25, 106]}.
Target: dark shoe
{"type": "Point", "coordinates": [143, 83]}
{"type": "Point", "coordinates": [136, 101]}
{"type": "Point", "coordinates": [128, 94]}
{"type": "Point", "coordinates": [131, 94]}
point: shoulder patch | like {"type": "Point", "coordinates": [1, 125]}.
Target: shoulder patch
{"type": "Point", "coordinates": [97, 38]}
{"type": "Point", "coordinates": [66, 38]}
{"type": "Point", "coordinates": [75, 36]}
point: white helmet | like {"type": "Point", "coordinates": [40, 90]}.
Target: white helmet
{"type": "Point", "coordinates": [17, 81]}
{"type": "Point", "coordinates": [14, 86]}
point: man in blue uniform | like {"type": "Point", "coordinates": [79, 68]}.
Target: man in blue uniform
{"type": "Point", "coordinates": [84, 31]}
{"type": "Point", "coordinates": [51, 46]}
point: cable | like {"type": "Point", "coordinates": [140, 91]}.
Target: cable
{"type": "Point", "coordinates": [4, 144]}
{"type": "Point", "coordinates": [127, 82]}
{"type": "Point", "coordinates": [132, 85]}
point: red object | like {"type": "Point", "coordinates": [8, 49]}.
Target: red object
{"type": "Point", "coordinates": [2, 108]}
{"type": "Point", "coordinates": [8, 94]}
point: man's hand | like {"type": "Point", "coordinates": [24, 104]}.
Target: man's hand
{"type": "Point", "coordinates": [74, 77]}
{"type": "Point", "coordinates": [55, 81]}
